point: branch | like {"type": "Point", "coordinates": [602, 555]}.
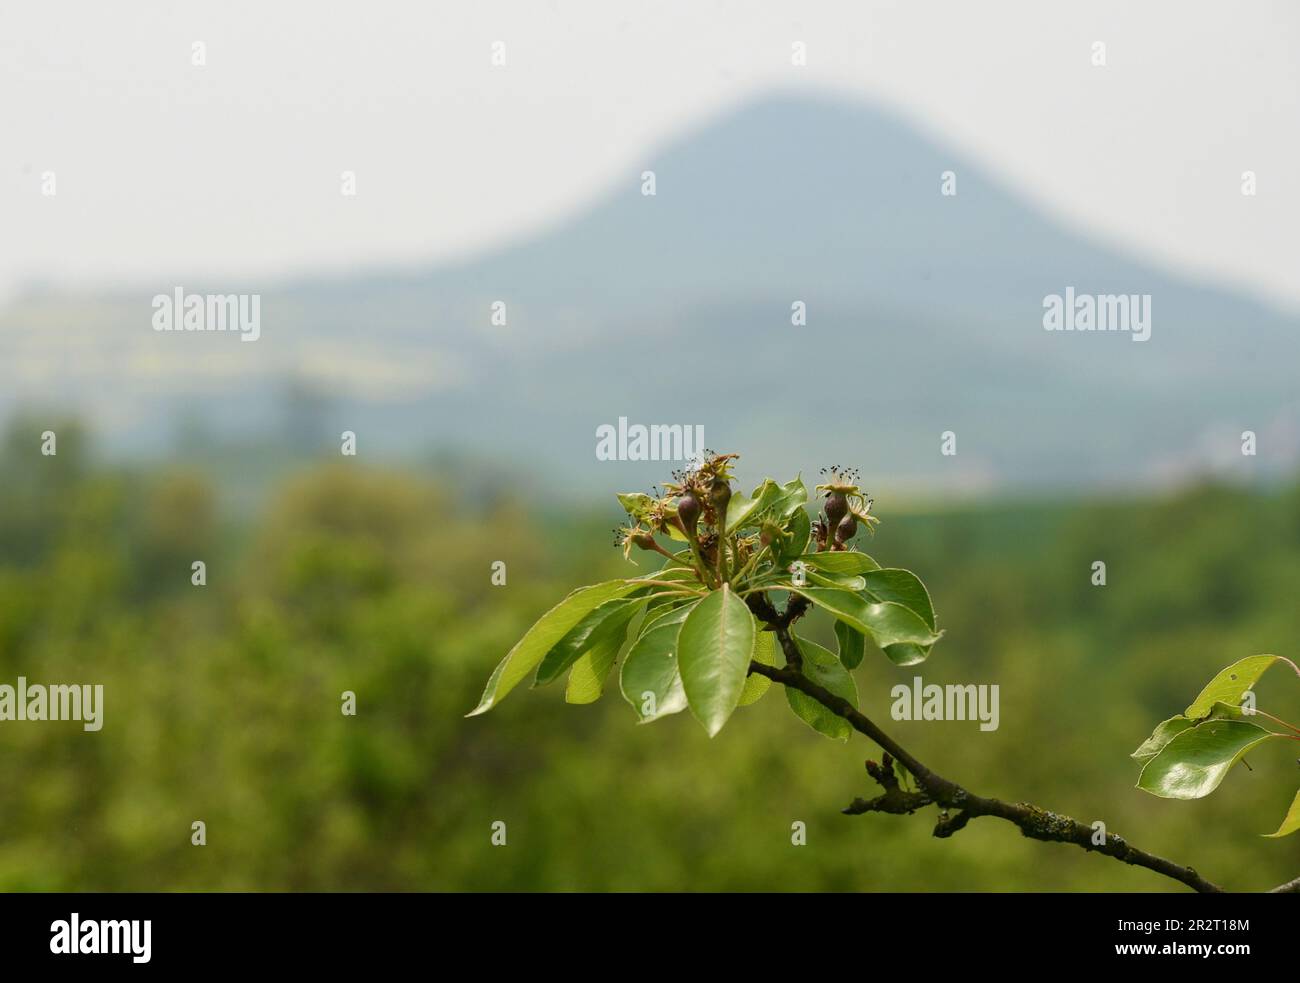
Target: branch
{"type": "Point", "coordinates": [934, 789]}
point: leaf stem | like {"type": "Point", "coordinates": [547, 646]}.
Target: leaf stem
{"type": "Point", "coordinates": [753, 561]}
{"type": "Point", "coordinates": [675, 593]}
{"type": "Point", "coordinates": [1277, 720]}
{"type": "Point", "coordinates": [694, 542]}
{"type": "Point", "coordinates": [667, 583]}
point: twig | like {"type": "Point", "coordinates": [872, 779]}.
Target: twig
{"type": "Point", "coordinates": [934, 789]}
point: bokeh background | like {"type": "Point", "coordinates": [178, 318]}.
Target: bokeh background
{"type": "Point", "coordinates": [222, 703]}
{"type": "Point", "coordinates": [476, 441]}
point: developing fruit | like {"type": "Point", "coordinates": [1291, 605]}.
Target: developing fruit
{"type": "Point", "coordinates": [688, 510]}
{"type": "Point", "coordinates": [846, 530]}
{"type": "Point", "coordinates": [720, 495]}
{"type": "Point", "coordinates": [844, 499]}
{"type": "Point", "coordinates": [643, 540]}
{"type": "Point", "coordinates": [837, 507]}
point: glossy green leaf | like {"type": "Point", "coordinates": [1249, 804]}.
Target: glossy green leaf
{"type": "Point", "coordinates": [852, 645]}
{"type": "Point", "coordinates": [1230, 685]}
{"type": "Point", "coordinates": [660, 616]}
{"type": "Point", "coordinates": [756, 685]}
{"type": "Point", "coordinates": [1291, 822]}
{"type": "Point", "coordinates": [849, 562]}
{"type": "Point", "coordinates": [844, 581]}
{"type": "Point", "coordinates": [769, 501]}
{"type": "Point", "coordinates": [902, 587]}
{"type": "Point", "coordinates": [824, 668]}
{"type": "Point", "coordinates": [650, 681]}
{"type": "Point", "coordinates": [906, 653]}
{"type": "Point", "coordinates": [714, 649]}
{"type": "Point", "coordinates": [1226, 711]}
{"type": "Point", "coordinates": [530, 650]}
{"type": "Point", "coordinates": [793, 497]}
{"type": "Point", "coordinates": [884, 622]}
{"type": "Point", "coordinates": [592, 632]}
{"type": "Point", "coordinates": [742, 511]}
{"type": "Point", "coordinates": [1165, 732]}
{"type": "Point", "coordinates": [1194, 762]}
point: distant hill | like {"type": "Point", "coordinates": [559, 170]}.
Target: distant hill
{"type": "Point", "coordinates": [924, 315]}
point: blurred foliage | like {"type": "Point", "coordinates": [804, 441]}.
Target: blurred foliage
{"type": "Point", "coordinates": [223, 702]}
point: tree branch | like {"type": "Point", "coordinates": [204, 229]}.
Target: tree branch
{"type": "Point", "coordinates": [957, 805]}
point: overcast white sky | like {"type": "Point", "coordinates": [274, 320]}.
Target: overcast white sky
{"type": "Point", "coordinates": [233, 168]}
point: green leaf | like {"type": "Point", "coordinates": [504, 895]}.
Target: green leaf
{"type": "Point", "coordinates": [904, 776]}
{"type": "Point", "coordinates": [756, 685]}
{"type": "Point", "coordinates": [843, 581]}
{"type": "Point", "coordinates": [657, 617]}
{"type": "Point", "coordinates": [639, 505]}
{"type": "Point", "coordinates": [586, 678]}
{"type": "Point", "coordinates": [886, 623]}
{"type": "Point", "coordinates": [1226, 711]}
{"type": "Point", "coordinates": [1165, 732]}
{"type": "Point", "coordinates": [1291, 822]}
{"type": "Point", "coordinates": [824, 668]}
{"type": "Point", "coordinates": [1193, 763]}
{"type": "Point", "coordinates": [902, 587]}
{"type": "Point", "coordinates": [658, 606]}
{"type": "Point", "coordinates": [529, 651]}
{"type": "Point", "coordinates": [775, 502]}
{"type": "Point", "coordinates": [636, 504]}
{"type": "Point", "coordinates": [849, 562]}
{"type": "Point", "coordinates": [800, 530]}
{"type": "Point", "coordinates": [852, 645]}
{"type": "Point", "coordinates": [650, 680]}
{"type": "Point", "coordinates": [593, 631]}
{"type": "Point", "coordinates": [714, 649]}
{"type": "Point", "coordinates": [743, 511]}
{"type": "Point", "coordinates": [674, 573]}
{"type": "Point", "coordinates": [1230, 685]}
{"type": "Point", "coordinates": [906, 653]}
{"type": "Point", "coordinates": [793, 497]}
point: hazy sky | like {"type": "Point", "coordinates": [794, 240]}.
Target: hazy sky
{"type": "Point", "coordinates": [232, 168]}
